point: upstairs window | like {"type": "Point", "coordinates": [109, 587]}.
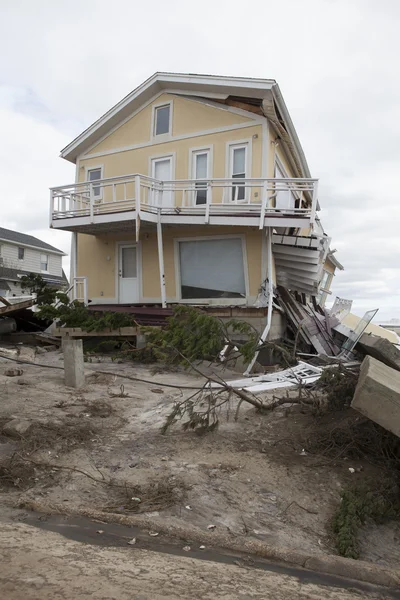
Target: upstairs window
{"type": "Point", "coordinates": [44, 262]}
{"type": "Point", "coordinates": [162, 119]}
{"type": "Point", "coordinates": [238, 162]}
{"type": "Point", "coordinates": [95, 175]}
{"type": "Point", "coordinates": [21, 253]}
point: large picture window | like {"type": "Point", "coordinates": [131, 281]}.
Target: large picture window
{"type": "Point", "coordinates": [212, 268]}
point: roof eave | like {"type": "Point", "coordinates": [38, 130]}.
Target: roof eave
{"type": "Point", "coordinates": [219, 85]}
{"type": "Point", "coordinates": [277, 94]}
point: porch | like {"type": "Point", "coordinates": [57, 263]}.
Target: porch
{"type": "Point", "coordinates": [135, 199]}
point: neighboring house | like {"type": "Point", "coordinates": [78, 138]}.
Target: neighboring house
{"type": "Point", "coordinates": [193, 189]}
{"type": "Point", "coordinates": [22, 254]}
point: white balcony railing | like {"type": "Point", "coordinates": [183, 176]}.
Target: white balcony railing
{"type": "Point", "coordinates": [144, 195]}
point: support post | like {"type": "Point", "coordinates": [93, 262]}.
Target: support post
{"type": "Point", "coordinates": [74, 373]}
{"type": "Point", "coordinates": [314, 202]}
{"type": "Point", "coordinates": [265, 333]}
{"type": "Point", "coordinates": [161, 260]}
{"type": "Point", "coordinates": [137, 205]}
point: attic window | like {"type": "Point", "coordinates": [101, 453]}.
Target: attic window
{"type": "Point", "coordinates": [21, 253]}
{"type": "Point", "coordinates": [162, 119]}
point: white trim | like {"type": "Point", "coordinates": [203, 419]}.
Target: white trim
{"type": "Point", "coordinates": [265, 149]}
{"type": "Point", "coordinates": [227, 108]}
{"type": "Point", "coordinates": [210, 165]}
{"type": "Point", "coordinates": [155, 139]}
{"type": "Point", "coordinates": [95, 168]}
{"type": "Point", "coordinates": [138, 269]}
{"type": "Point", "coordinates": [158, 158]}
{"type": "Point", "coordinates": [278, 163]}
{"type": "Point", "coordinates": [248, 145]}
{"type": "Point", "coordinates": [177, 138]}
{"type": "Point", "coordinates": [161, 137]}
{"type": "Point", "coordinates": [116, 127]}
{"type": "Point", "coordinates": [201, 238]}
{"type": "Point", "coordinates": [229, 85]}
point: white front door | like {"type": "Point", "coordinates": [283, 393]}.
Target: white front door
{"type": "Point", "coordinates": [128, 274]}
{"type": "Point", "coordinates": [161, 169]}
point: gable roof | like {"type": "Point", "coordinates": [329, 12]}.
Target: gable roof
{"type": "Point", "coordinates": [265, 91]}
{"type": "Point", "coordinates": [8, 235]}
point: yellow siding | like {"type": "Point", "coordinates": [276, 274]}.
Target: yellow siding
{"type": "Point", "coordinates": [138, 160]}
{"type": "Point", "coordinates": [97, 259]}
{"type": "Point", "coordinates": [191, 116]}
{"type": "Point", "coordinates": [97, 255]}
{"type": "Point", "coordinates": [188, 115]}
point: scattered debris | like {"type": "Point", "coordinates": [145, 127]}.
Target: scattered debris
{"type": "Point", "coordinates": [13, 372]}
{"type": "Point", "coordinates": [153, 533]}
{"type": "Point", "coordinates": [132, 542]}
{"type": "Point", "coordinates": [352, 470]}
{"type": "Point", "coordinates": [100, 531]}
{"type": "Point", "coordinates": [211, 527]}
{"type": "Point", "coordinates": [188, 507]}
{"type": "Point", "coordinates": [186, 548]}
{"type": "Point", "coordinates": [202, 547]}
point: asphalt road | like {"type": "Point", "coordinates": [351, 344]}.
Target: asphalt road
{"type": "Point", "coordinates": [69, 560]}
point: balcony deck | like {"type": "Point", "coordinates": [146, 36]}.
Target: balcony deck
{"type": "Point", "coordinates": [120, 202]}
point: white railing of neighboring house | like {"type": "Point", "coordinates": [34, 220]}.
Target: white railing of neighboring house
{"type": "Point", "coordinates": [256, 196]}
{"type": "Point", "coordinates": [78, 290]}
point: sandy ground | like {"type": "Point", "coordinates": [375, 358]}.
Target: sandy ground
{"type": "Point", "coordinates": [37, 564]}
{"type": "Point", "coordinates": [249, 478]}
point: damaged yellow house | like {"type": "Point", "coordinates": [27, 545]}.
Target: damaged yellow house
{"type": "Point", "coordinates": [193, 189]}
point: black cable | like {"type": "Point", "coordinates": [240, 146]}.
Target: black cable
{"type": "Point", "coordinates": [170, 385]}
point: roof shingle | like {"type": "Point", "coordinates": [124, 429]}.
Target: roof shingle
{"type": "Point", "coordinates": [23, 238]}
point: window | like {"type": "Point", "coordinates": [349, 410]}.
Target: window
{"type": "Point", "coordinates": [284, 197]}
{"type": "Point", "coordinates": [21, 253]}
{"type": "Point", "coordinates": [162, 118]}
{"type": "Point", "coordinates": [95, 175]}
{"type": "Point", "coordinates": [200, 171]}
{"type": "Point", "coordinates": [238, 159]}
{"type": "Point", "coordinates": [212, 268]}
{"type": "Point", "coordinates": [44, 262]}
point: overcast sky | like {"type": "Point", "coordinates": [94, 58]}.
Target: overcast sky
{"type": "Point", "coordinates": [64, 63]}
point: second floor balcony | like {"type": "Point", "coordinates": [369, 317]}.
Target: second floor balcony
{"type": "Point", "coordinates": [89, 207]}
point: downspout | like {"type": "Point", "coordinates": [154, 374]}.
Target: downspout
{"type": "Point", "coordinates": [265, 333]}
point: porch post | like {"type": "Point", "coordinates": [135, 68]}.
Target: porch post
{"type": "Point", "coordinates": [161, 260]}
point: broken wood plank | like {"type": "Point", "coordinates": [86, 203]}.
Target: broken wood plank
{"type": "Point", "coordinates": [5, 301]}
{"type": "Point", "coordinates": [77, 332]}
{"type": "Point", "coordinates": [377, 394]}
{"type": "Point", "coordinates": [11, 308]}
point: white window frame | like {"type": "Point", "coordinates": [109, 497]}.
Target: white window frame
{"type": "Point", "coordinates": [95, 168]}
{"type": "Point", "coordinates": [160, 157]}
{"type": "Point", "coordinates": [161, 136]}
{"type": "Point", "coordinates": [177, 264]}
{"type": "Point", "coordinates": [193, 152]}
{"type": "Point", "coordinates": [23, 252]}
{"type": "Point", "coordinates": [47, 263]}
{"type": "Point", "coordinates": [230, 147]}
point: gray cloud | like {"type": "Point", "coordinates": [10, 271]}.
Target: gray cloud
{"type": "Point", "coordinates": [66, 63]}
